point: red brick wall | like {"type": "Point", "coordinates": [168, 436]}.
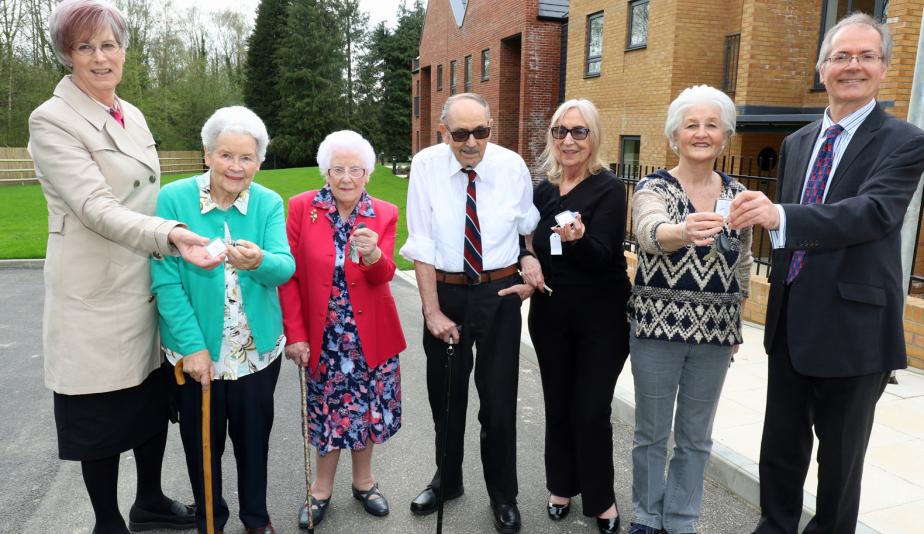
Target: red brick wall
{"type": "Point", "coordinates": [524, 103]}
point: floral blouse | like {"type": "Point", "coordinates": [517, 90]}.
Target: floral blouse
{"type": "Point", "coordinates": [239, 356]}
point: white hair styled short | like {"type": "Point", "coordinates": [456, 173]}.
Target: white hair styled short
{"type": "Point", "coordinates": [239, 120]}
{"type": "Point", "coordinates": [694, 96]}
{"type": "Point", "coordinates": [346, 141]}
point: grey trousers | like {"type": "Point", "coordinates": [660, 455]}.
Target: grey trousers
{"type": "Point", "coordinates": [693, 375]}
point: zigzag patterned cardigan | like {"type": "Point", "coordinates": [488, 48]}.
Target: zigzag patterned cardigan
{"type": "Point", "coordinates": [684, 295]}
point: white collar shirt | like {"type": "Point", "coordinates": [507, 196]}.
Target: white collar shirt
{"type": "Point", "coordinates": [436, 207]}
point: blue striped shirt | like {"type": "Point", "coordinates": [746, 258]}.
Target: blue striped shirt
{"type": "Point", "coordinates": [850, 123]}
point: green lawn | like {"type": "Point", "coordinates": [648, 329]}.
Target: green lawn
{"type": "Point", "coordinates": [24, 225]}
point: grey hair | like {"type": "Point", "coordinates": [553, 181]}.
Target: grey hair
{"type": "Point", "coordinates": [550, 158]}
{"type": "Point", "coordinates": [74, 19]}
{"type": "Point", "coordinates": [856, 18]}
{"type": "Point", "coordinates": [239, 120]}
{"type": "Point", "coordinates": [346, 141]}
{"type": "Point", "coordinates": [444, 114]}
{"type": "Point", "coordinates": [696, 95]}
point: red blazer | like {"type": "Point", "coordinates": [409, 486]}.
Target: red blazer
{"type": "Point", "coordinates": [305, 296]}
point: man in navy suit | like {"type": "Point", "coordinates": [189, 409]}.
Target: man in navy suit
{"type": "Point", "coordinates": [834, 316]}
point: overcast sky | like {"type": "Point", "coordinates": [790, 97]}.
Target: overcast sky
{"type": "Point", "coordinates": [377, 9]}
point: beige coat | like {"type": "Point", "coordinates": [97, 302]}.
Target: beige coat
{"type": "Point", "coordinates": [101, 183]}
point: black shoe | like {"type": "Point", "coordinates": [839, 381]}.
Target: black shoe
{"type": "Point", "coordinates": [318, 509]}
{"type": "Point", "coordinates": [635, 528]}
{"type": "Point", "coordinates": [557, 512]}
{"type": "Point", "coordinates": [178, 516]}
{"type": "Point", "coordinates": [426, 501]}
{"type": "Point", "coordinates": [377, 507]}
{"type": "Point", "coordinates": [608, 526]}
{"type": "Point", "coordinates": [506, 518]}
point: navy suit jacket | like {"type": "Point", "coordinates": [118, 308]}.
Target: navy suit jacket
{"type": "Point", "coordinates": [844, 311]}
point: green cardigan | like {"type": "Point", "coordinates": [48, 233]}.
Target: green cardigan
{"type": "Point", "coordinates": [191, 300]}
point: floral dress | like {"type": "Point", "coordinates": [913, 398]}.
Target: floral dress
{"type": "Point", "coordinates": [349, 403]}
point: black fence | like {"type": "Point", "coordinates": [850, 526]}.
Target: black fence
{"type": "Point", "coordinates": [753, 176]}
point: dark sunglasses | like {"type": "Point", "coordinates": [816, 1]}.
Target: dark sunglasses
{"type": "Point", "coordinates": [578, 133]}
{"type": "Point", "coordinates": [460, 136]}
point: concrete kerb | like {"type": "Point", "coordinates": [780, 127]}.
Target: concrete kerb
{"type": "Point", "coordinates": [22, 264]}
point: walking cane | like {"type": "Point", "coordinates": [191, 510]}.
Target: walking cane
{"type": "Point", "coordinates": [302, 377]}
{"type": "Point", "coordinates": [450, 351]}
{"type": "Point", "coordinates": [206, 447]}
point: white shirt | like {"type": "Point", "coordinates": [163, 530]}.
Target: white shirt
{"type": "Point", "coordinates": [436, 207]}
{"type": "Point", "coordinates": [850, 123]}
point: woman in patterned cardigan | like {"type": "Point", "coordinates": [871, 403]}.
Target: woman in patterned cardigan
{"type": "Point", "coordinates": [690, 286]}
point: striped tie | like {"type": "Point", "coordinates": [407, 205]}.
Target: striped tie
{"type": "Point", "coordinates": [472, 255]}
{"type": "Point", "coordinates": [815, 190]}
{"type": "Point", "coordinates": [117, 115]}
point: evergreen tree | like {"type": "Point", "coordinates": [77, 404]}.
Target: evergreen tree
{"type": "Point", "coordinates": [399, 51]}
{"type": "Point", "coordinates": [261, 90]}
{"type": "Point", "coordinates": [311, 62]}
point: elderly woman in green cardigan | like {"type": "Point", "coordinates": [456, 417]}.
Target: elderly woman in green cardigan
{"type": "Point", "coordinates": [226, 324]}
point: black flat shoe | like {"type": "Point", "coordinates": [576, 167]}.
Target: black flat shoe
{"type": "Point", "coordinates": [377, 507]}
{"type": "Point", "coordinates": [179, 516]}
{"type": "Point", "coordinates": [557, 512]}
{"type": "Point", "coordinates": [318, 509]}
{"type": "Point", "coordinates": [426, 501]}
{"type": "Point", "coordinates": [506, 518]}
{"type": "Point", "coordinates": [608, 526]}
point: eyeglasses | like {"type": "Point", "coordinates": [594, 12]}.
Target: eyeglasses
{"type": "Point", "coordinates": [108, 48]}
{"type": "Point", "coordinates": [842, 60]}
{"type": "Point", "coordinates": [341, 172]}
{"type": "Point", "coordinates": [461, 136]}
{"type": "Point", "coordinates": [578, 133]}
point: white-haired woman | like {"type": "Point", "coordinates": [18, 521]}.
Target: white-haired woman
{"type": "Point", "coordinates": [226, 324]}
{"type": "Point", "coordinates": [97, 163]}
{"type": "Point", "coordinates": [579, 328]}
{"type": "Point", "coordinates": [341, 321]}
{"type": "Point", "coordinates": [690, 286]}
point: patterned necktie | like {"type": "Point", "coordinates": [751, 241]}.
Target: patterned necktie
{"type": "Point", "coordinates": [815, 190]}
{"type": "Point", "coordinates": [117, 116]}
{"type": "Point", "coordinates": [472, 254]}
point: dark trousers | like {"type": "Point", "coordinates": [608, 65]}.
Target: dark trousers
{"type": "Point", "coordinates": [492, 324]}
{"type": "Point", "coordinates": [841, 411]}
{"type": "Point", "coordinates": [581, 336]}
{"type": "Point", "coordinates": [243, 409]}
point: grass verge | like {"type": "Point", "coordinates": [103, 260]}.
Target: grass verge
{"type": "Point", "coordinates": [24, 226]}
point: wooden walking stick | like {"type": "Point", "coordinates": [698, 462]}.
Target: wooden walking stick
{"type": "Point", "coordinates": [206, 446]}
{"type": "Point", "coordinates": [302, 378]}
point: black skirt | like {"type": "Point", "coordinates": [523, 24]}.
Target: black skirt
{"type": "Point", "coordinates": [99, 425]}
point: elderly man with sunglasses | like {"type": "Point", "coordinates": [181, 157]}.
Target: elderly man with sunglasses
{"type": "Point", "coordinates": [468, 201]}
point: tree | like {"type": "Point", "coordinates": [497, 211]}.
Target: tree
{"type": "Point", "coordinates": [311, 64]}
{"type": "Point", "coordinates": [400, 50]}
{"type": "Point", "coordinates": [261, 85]}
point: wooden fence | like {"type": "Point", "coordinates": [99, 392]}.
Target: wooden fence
{"type": "Point", "coordinates": [16, 165]}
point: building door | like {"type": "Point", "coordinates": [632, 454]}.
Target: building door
{"type": "Point", "coordinates": [507, 116]}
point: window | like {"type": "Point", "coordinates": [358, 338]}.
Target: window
{"type": "Point", "coordinates": [468, 74]}
{"type": "Point", "coordinates": [452, 77]}
{"type": "Point", "coordinates": [485, 63]}
{"type": "Point", "coordinates": [630, 150]}
{"type": "Point", "coordinates": [439, 137]}
{"type": "Point", "coordinates": [834, 10]}
{"type": "Point", "coordinates": [730, 66]}
{"type": "Point", "coordinates": [594, 44]}
{"type": "Point", "coordinates": [637, 34]}
{"type": "Point", "coordinates": [439, 77]}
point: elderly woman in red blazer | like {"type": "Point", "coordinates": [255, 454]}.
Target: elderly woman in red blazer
{"type": "Point", "coordinates": [341, 321]}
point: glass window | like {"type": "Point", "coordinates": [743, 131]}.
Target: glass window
{"type": "Point", "coordinates": [630, 149]}
{"type": "Point", "coordinates": [594, 44]}
{"type": "Point", "coordinates": [452, 77]}
{"type": "Point", "coordinates": [485, 63]}
{"type": "Point", "coordinates": [468, 74]}
{"type": "Point", "coordinates": [439, 77]}
{"type": "Point", "coordinates": [638, 24]}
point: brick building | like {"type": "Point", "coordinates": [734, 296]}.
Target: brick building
{"type": "Point", "coordinates": [509, 51]}
{"type": "Point", "coordinates": [632, 57]}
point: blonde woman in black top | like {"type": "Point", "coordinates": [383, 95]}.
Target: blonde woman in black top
{"type": "Point", "coordinates": [579, 328]}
